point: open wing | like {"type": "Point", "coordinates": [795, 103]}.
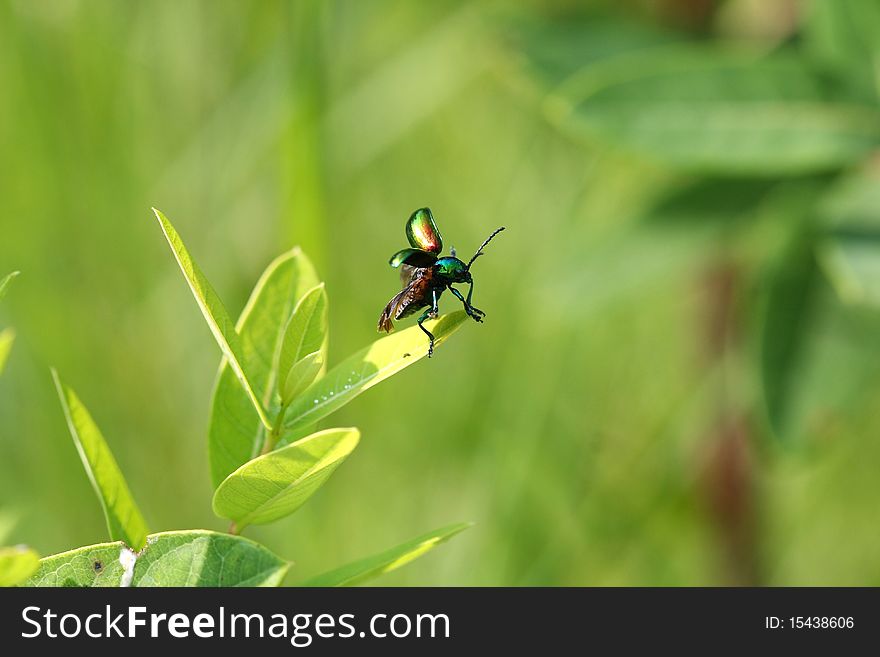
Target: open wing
{"type": "Point", "coordinates": [412, 258]}
{"type": "Point", "coordinates": [408, 300]}
{"type": "Point", "coordinates": [422, 233]}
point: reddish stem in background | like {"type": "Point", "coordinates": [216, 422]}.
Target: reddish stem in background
{"type": "Point", "coordinates": [726, 482]}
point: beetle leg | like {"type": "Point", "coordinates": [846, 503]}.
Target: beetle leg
{"type": "Point", "coordinates": [468, 302]}
{"type": "Point", "coordinates": [434, 309]}
{"type": "Point", "coordinates": [430, 335]}
{"type": "Point", "coordinates": [470, 310]}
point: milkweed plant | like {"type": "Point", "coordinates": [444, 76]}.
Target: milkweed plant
{"type": "Point", "coordinates": [266, 456]}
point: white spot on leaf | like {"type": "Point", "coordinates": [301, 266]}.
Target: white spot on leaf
{"type": "Point", "coordinates": [127, 558]}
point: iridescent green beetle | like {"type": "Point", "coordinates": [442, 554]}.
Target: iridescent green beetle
{"type": "Point", "coordinates": [425, 275]}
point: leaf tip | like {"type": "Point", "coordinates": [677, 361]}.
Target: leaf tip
{"type": "Point", "coordinates": [163, 220]}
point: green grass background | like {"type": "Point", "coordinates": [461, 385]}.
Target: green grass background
{"type": "Point", "coordinates": [574, 426]}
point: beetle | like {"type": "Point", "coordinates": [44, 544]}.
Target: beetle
{"type": "Point", "coordinates": [425, 275]}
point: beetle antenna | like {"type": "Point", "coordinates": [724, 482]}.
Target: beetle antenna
{"type": "Point", "coordinates": [483, 246]}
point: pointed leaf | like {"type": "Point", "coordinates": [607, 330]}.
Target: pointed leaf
{"type": "Point", "coordinates": [236, 434]}
{"type": "Point", "coordinates": [214, 312]}
{"type": "Point", "coordinates": [366, 569]}
{"type": "Point", "coordinates": [7, 337]}
{"type": "Point", "coordinates": [182, 558]}
{"type": "Point", "coordinates": [306, 332]}
{"type": "Point", "coordinates": [5, 281]}
{"type": "Point", "coordinates": [302, 375]}
{"type": "Point", "coordinates": [278, 483]}
{"type": "Point", "coordinates": [788, 308]}
{"type": "Point", "coordinates": [373, 364]}
{"type": "Point", "coordinates": [124, 520]}
{"type": "Point", "coordinates": [17, 564]}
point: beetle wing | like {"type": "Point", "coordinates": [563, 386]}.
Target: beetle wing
{"type": "Point", "coordinates": [413, 258]}
{"type": "Point", "coordinates": [422, 233]}
{"type": "Point", "coordinates": [407, 273]}
{"type": "Point", "coordinates": [408, 300]}
{"type": "Point", "coordinates": [385, 323]}
{"type": "Point", "coordinates": [394, 308]}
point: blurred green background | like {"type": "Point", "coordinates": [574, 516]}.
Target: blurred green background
{"type": "Point", "coordinates": [678, 382]}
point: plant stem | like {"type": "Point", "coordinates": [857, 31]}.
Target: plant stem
{"type": "Point", "coordinates": [233, 529]}
{"type": "Point", "coordinates": [275, 434]}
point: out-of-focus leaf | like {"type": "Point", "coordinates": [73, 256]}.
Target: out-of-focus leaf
{"type": "Point", "coordinates": [236, 433]}
{"type": "Point", "coordinates": [276, 484]}
{"type": "Point", "coordinates": [787, 311]}
{"type": "Point", "coordinates": [8, 520]}
{"type": "Point", "coordinates": [710, 200]}
{"type": "Point", "coordinates": [712, 112]}
{"type": "Point", "coordinates": [305, 333]}
{"type": "Point", "coordinates": [851, 258]}
{"type": "Point", "coordinates": [182, 558]}
{"type": "Point", "coordinates": [556, 49]}
{"type": "Point", "coordinates": [850, 248]}
{"type": "Point", "coordinates": [5, 281]}
{"type": "Point", "coordinates": [124, 520]}
{"type": "Point", "coordinates": [373, 364]}
{"type": "Point", "coordinates": [7, 337]}
{"type": "Point", "coordinates": [369, 568]}
{"type": "Point", "coordinates": [214, 312]}
{"type": "Point", "coordinates": [17, 564]}
{"type": "Point", "coordinates": [844, 37]}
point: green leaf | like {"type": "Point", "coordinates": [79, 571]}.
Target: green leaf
{"type": "Point", "coordinates": [276, 484]}
{"type": "Point", "coordinates": [214, 312]}
{"type": "Point", "coordinates": [371, 365]}
{"type": "Point", "coordinates": [851, 259]}
{"type": "Point", "coordinates": [554, 49]}
{"type": "Point", "coordinates": [844, 37]}
{"type": "Point", "coordinates": [17, 564]}
{"type": "Point", "coordinates": [5, 281]}
{"type": "Point", "coordinates": [236, 433]}
{"type": "Point", "coordinates": [709, 201]}
{"type": "Point", "coordinates": [302, 375]}
{"type": "Point", "coordinates": [305, 333]}
{"type": "Point", "coordinates": [7, 337]}
{"type": "Point", "coordinates": [705, 110]}
{"type": "Point", "coordinates": [181, 558]}
{"type": "Point", "coordinates": [366, 569]}
{"type": "Point", "coordinates": [204, 558]}
{"type": "Point", "coordinates": [94, 565]}
{"type": "Point", "coordinates": [850, 249]}
{"type": "Point", "coordinates": [787, 312]}
{"type": "Point", "coordinates": [124, 520]}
